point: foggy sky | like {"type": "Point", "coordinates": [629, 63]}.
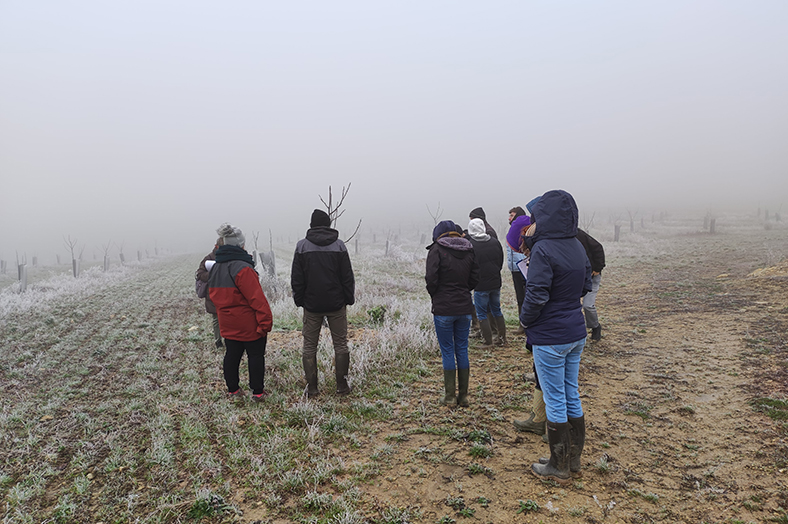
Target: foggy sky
{"type": "Point", "coordinates": [149, 122]}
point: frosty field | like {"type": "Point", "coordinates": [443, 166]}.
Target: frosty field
{"type": "Point", "coordinates": [113, 405]}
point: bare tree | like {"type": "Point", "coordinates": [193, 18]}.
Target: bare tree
{"type": "Point", "coordinates": [71, 245]}
{"type": "Point", "coordinates": [587, 223]}
{"type": "Point", "coordinates": [106, 247]}
{"type": "Point", "coordinates": [616, 226]}
{"type": "Point", "coordinates": [436, 216]}
{"type": "Point", "coordinates": [121, 256]}
{"type": "Point", "coordinates": [335, 210]}
{"type": "Point", "coordinates": [632, 220]}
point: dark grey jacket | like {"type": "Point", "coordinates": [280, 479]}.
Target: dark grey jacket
{"type": "Point", "coordinates": [322, 277]}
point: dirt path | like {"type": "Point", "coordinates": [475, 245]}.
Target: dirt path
{"type": "Point", "coordinates": [667, 399]}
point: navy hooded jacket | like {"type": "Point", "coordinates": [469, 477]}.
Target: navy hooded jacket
{"type": "Point", "coordinates": [559, 274]}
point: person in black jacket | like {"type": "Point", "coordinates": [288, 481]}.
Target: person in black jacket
{"type": "Point", "coordinates": [487, 293]}
{"type": "Point", "coordinates": [323, 284]}
{"type": "Point", "coordinates": [596, 255]}
{"type": "Point", "coordinates": [451, 274]}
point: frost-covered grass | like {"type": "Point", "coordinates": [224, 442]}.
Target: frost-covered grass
{"type": "Point", "coordinates": [113, 405]}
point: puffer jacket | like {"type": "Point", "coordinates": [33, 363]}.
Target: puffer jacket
{"type": "Point", "coordinates": [234, 288]}
{"type": "Point", "coordinates": [489, 257]}
{"type": "Point", "coordinates": [322, 276]}
{"type": "Point", "coordinates": [559, 274]}
{"type": "Point", "coordinates": [452, 272]}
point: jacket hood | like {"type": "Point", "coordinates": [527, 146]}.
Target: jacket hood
{"type": "Point", "coordinates": [322, 235]}
{"type": "Point", "coordinates": [555, 215]}
{"type": "Point", "coordinates": [477, 230]}
{"type": "Point", "coordinates": [457, 245]}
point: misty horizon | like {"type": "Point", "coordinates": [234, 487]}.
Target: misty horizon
{"type": "Point", "coordinates": [150, 124]}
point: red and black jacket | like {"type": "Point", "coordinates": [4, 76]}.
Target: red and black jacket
{"type": "Point", "coordinates": [234, 288]}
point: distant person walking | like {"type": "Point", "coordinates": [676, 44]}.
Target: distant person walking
{"type": "Point", "coordinates": [596, 255]}
{"type": "Point", "coordinates": [487, 293]}
{"type": "Point", "coordinates": [202, 275]}
{"type": "Point", "coordinates": [559, 274]}
{"type": "Point", "coordinates": [244, 314]}
{"type": "Point", "coordinates": [451, 274]}
{"type": "Point", "coordinates": [323, 284]}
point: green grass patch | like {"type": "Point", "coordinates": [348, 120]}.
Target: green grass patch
{"type": "Point", "coordinates": [775, 409]}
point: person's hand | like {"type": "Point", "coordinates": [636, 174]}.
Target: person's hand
{"type": "Point", "coordinates": [594, 273]}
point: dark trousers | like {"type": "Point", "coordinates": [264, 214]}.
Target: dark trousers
{"type": "Point", "coordinates": [337, 323]}
{"type": "Point", "coordinates": [255, 354]}
{"type": "Point", "coordinates": [519, 290]}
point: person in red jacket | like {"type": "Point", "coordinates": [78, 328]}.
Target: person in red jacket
{"type": "Point", "coordinates": [244, 314]}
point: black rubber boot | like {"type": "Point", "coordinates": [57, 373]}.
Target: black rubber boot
{"type": "Point", "coordinates": [501, 323]}
{"type": "Point", "coordinates": [486, 332]}
{"type": "Point", "coordinates": [596, 333]}
{"type": "Point", "coordinates": [450, 385]}
{"type": "Point", "coordinates": [578, 436]}
{"type": "Point", "coordinates": [557, 467]}
{"type": "Point", "coordinates": [342, 366]}
{"type": "Point", "coordinates": [463, 376]}
{"type": "Point", "coordinates": [310, 372]}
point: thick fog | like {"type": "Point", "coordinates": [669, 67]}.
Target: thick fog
{"type": "Point", "coordinates": [150, 123]}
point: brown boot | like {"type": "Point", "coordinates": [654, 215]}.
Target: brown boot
{"type": "Point", "coordinates": [310, 372]}
{"type": "Point", "coordinates": [501, 323]}
{"type": "Point", "coordinates": [536, 422]}
{"type": "Point", "coordinates": [342, 368]}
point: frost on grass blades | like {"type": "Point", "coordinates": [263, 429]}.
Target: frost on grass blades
{"type": "Point", "coordinates": [113, 405]}
{"type": "Point", "coordinates": [55, 286]}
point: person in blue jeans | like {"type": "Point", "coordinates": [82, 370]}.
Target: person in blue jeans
{"type": "Point", "coordinates": [559, 274]}
{"type": "Point", "coordinates": [487, 293]}
{"type": "Point", "coordinates": [451, 274]}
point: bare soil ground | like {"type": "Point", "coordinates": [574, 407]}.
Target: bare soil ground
{"type": "Point", "coordinates": [691, 339]}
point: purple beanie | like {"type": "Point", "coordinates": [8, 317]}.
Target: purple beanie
{"type": "Point", "coordinates": [516, 230]}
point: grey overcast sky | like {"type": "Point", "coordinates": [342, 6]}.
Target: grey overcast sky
{"type": "Point", "coordinates": [155, 121]}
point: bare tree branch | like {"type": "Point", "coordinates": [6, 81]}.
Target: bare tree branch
{"type": "Point", "coordinates": [437, 215]}
{"type": "Point", "coordinates": [354, 232]}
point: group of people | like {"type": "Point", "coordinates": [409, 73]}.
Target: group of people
{"type": "Point", "coordinates": [555, 270]}
{"type": "Point", "coordinates": [556, 273]}
{"type": "Point", "coordinates": [322, 282]}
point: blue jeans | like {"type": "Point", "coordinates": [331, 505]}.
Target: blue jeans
{"type": "Point", "coordinates": [484, 300]}
{"type": "Point", "coordinates": [558, 367]}
{"type": "Point", "coordinates": [452, 332]}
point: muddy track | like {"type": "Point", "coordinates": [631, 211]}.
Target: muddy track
{"type": "Point", "coordinates": [667, 399]}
